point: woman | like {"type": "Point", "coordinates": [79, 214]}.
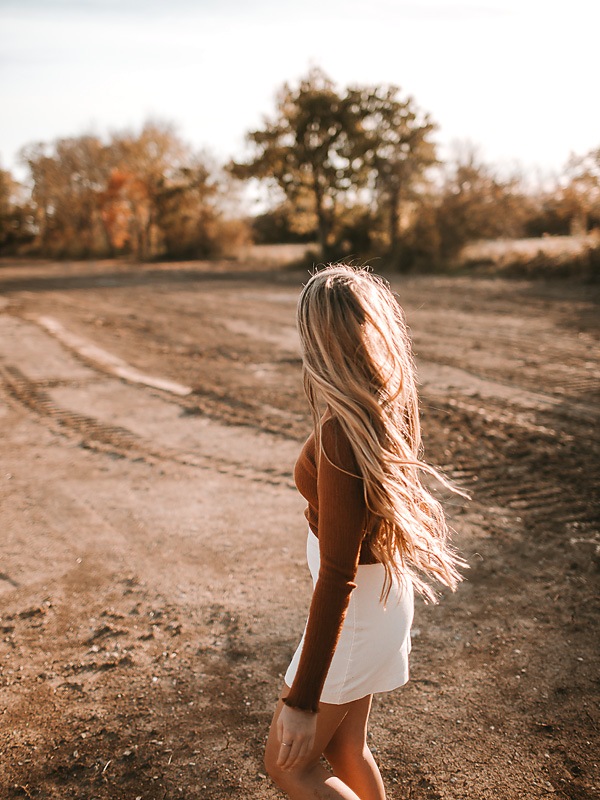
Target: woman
{"type": "Point", "coordinates": [374, 533]}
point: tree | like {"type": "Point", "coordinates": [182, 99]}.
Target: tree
{"type": "Point", "coordinates": [475, 203]}
{"type": "Point", "coordinates": [397, 152]}
{"type": "Point", "coordinates": [125, 211]}
{"type": "Point", "coordinates": [143, 194]}
{"type": "Point", "coordinates": [581, 196]}
{"type": "Point", "coordinates": [164, 197]}
{"type": "Point", "coordinates": [16, 214]}
{"type": "Point", "coordinates": [68, 178]}
{"type": "Point", "coordinates": [283, 224]}
{"type": "Point", "coordinates": [151, 158]}
{"type": "Point", "coordinates": [335, 154]}
{"type": "Point", "coordinates": [308, 151]}
{"type": "Point", "coordinates": [186, 211]}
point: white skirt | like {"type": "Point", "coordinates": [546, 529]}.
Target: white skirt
{"type": "Point", "coordinates": [372, 652]}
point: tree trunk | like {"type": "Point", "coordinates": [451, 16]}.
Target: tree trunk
{"type": "Point", "coordinates": [578, 223]}
{"type": "Point", "coordinates": [42, 230]}
{"type": "Point", "coordinates": [322, 221]}
{"type": "Point", "coordinates": [323, 234]}
{"type": "Point", "coordinates": [394, 231]}
{"type": "Point", "coordinates": [394, 220]}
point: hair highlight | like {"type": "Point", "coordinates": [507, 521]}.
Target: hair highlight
{"type": "Point", "coordinates": [357, 358]}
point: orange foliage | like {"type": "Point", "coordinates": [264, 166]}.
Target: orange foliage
{"type": "Point", "coordinates": [124, 207]}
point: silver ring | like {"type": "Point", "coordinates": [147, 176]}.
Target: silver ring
{"type": "Point", "coordinates": [286, 744]}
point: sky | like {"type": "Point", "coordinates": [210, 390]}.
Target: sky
{"type": "Point", "coordinates": [517, 78]}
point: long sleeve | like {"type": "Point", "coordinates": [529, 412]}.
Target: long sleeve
{"type": "Point", "coordinates": [341, 524]}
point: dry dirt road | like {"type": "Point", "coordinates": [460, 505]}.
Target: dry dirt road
{"type": "Point", "coordinates": [152, 574]}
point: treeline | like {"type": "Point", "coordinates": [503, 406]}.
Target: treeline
{"type": "Point", "coordinates": [145, 195]}
{"type": "Point", "coordinates": [355, 169]}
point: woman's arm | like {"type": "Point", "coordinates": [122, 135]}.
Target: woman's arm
{"type": "Point", "coordinates": [342, 514]}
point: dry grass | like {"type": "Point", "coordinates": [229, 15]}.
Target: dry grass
{"type": "Point", "coordinates": [555, 255]}
{"type": "Point", "coordinates": [273, 255]}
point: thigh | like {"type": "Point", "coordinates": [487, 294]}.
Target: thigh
{"type": "Point", "coordinates": [354, 724]}
{"type": "Point", "coordinates": [350, 736]}
{"type": "Point", "coordinates": [330, 718]}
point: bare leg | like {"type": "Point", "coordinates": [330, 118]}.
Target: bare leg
{"type": "Point", "coordinates": [351, 759]}
{"type": "Point", "coordinates": [312, 780]}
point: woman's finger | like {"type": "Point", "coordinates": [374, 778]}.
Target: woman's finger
{"type": "Point", "coordinates": [298, 754]}
{"type": "Point", "coordinates": [290, 755]}
{"type": "Point", "coordinates": [285, 752]}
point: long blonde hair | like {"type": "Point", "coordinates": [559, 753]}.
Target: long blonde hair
{"type": "Point", "coordinates": [357, 359]}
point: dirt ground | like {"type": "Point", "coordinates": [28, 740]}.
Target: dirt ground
{"type": "Point", "coordinates": [152, 577]}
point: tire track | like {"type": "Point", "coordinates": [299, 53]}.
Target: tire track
{"type": "Point", "coordinates": [519, 491]}
{"type": "Point", "coordinates": [119, 441]}
{"type": "Point", "coordinates": [485, 404]}
{"type": "Point", "coordinates": [568, 364]}
{"type": "Point", "coordinates": [542, 473]}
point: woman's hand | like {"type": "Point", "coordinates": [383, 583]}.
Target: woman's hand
{"type": "Point", "coordinates": [296, 731]}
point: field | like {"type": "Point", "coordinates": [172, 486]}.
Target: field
{"type": "Point", "coordinates": [546, 256]}
{"type": "Point", "coordinates": [153, 583]}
